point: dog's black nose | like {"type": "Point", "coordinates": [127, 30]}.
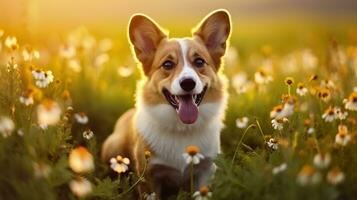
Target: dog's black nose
{"type": "Point", "coordinates": [187, 84]}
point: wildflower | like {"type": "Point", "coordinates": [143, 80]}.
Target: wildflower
{"type": "Point", "coordinates": [101, 59]}
{"type": "Point", "coordinates": [309, 60]}
{"type": "Point", "coordinates": [29, 54]}
{"type": "Point", "coordinates": [324, 94]}
{"type": "Point", "coordinates": [125, 71]}
{"type": "Point", "coordinates": [192, 155]}
{"type": "Point", "coordinates": [322, 160]}
{"type": "Point", "coordinates": [340, 114]}
{"type": "Point", "coordinates": [308, 175]}
{"type": "Point", "coordinates": [74, 65]}
{"type": "Point", "coordinates": [276, 111]}
{"type": "Point", "coordinates": [231, 57]}
{"type": "Point", "coordinates": [329, 114]}
{"type": "Point", "coordinates": [41, 170]}
{"type": "Point", "coordinates": [43, 78]}
{"type": "Point", "coordinates": [38, 74]}
{"type": "Point", "coordinates": [280, 168]}
{"type": "Point", "coordinates": [88, 134]}
{"type": "Point", "coordinates": [310, 130]}
{"type": "Point", "coordinates": [151, 196]}
{"type": "Point", "coordinates": [301, 89]}
{"type": "Point", "coordinates": [278, 123]}
{"type": "Point", "coordinates": [119, 164]}
{"type": "Point", "coordinates": [335, 176]}
{"type": "Point", "coordinates": [80, 187]}
{"type": "Point", "coordinates": [11, 43]}
{"type": "Point", "coordinates": [272, 144]}
{"type": "Point", "coordinates": [67, 51]}
{"type": "Point", "coordinates": [289, 81]}
{"type": "Point", "coordinates": [313, 77]}
{"type": "Point", "coordinates": [289, 104]}
{"type": "Point", "coordinates": [147, 155]}
{"type": "Point", "coordinates": [80, 160]}
{"type": "Point", "coordinates": [7, 126]}
{"type": "Point", "coordinates": [351, 102]}
{"type": "Point", "coordinates": [327, 84]}
{"type": "Point", "coordinates": [262, 78]}
{"type": "Point", "coordinates": [202, 194]}
{"type": "Point", "coordinates": [105, 45]}
{"type": "Point", "coordinates": [48, 78]}
{"type": "Point", "coordinates": [242, 122]}
{"type": "Point", "coordinates": [81, 118]}
{"type": "Point", "coordinates": [27, 98]}
{"type": "Point", "coordinates": [48, 112]}
{"type": "Point", "coordinates": [342, 138]}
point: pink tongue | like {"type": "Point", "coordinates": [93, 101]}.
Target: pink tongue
{"type": "Point", "coordinates": [188, 110]}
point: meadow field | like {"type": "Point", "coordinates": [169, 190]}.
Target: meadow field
{"type": "Point", "coordinates": [291, 122]}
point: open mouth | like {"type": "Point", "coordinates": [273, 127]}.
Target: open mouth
{"type": "Point", "coordinates": [185, 105]}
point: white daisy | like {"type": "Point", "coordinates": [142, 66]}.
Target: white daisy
{"type": "Point", "coordinates": [242, 122]}
{"type": "Point", "coordinates": [125, 71]}
{"type": "Point", "coordinates": [278, 123]}
{"type": "Point", "coordinates": [151, 196]}
{"type": "Point", "coordinates": [301, 90]}
{"type": "Point", "coordinates": [29, 54]}
{"type": "Point", "coordinates": [88, 134]}
{"type": "Point", "coordinates": [41, 170]}
{"type": "Point", "coordinates": [67, 51]}
{"type": "Point", "coordinates": [272, 144]}
{"type": "Point", "coordinates": [81, 118]}
{"type": "Point", "coordinates": [322, 160]}
{"type": "Point", "coordinates": [308, 176]}
{"type": "Point", "coordinates": [7, 126]}
{"type": "Point", "coordinates": [335, 176]}
{"type": "Point", "coordinates": [192, 155]}
{"type": "Point", "coordinates": [351, 102]}
{"type": "Point", "coordinates": [11, 42]}
{"type": "Point", "coordinates": [262, 78]}
{"type": "Point", "coordinates": [202, 194]}
{"type": "Point", "coordinates": [119, 164]}
{"type": "Point", "coordinates": [280, 168]}
{"type": "Point", "coordinates": [48, 113]}
{"type": "Point", "coordinates": [342, 137]}
{"type": "Point", "coordinates": [81, 160]}
{"type": "Point", "coordinates": [329, 114]}
{"type": "Point", "coordinates": [80, 187]}
{"type": "Point", "coordinates": [340, 114]}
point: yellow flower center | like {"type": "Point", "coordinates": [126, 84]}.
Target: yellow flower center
{"type": "Point", "coordinates": [204, 190]}
{"type": "Point", "coordinates": [192, 150]}
{"type": "Point", "coordinates": [307, 170]}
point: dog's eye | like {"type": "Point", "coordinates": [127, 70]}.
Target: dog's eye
{"type": "Point", "coordinates": [168, 64]}
{"type": "Point", "coordinates": [199, 62]}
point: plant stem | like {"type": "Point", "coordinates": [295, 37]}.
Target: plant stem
{"type": "Point", "coordinates": [260, 128]}
{"type": "Point", "coordinates": [240, 141]}
{"type": "Point", "coordinates": [191, 178]}
{"type": "Point", "coordinates": [139, 179]}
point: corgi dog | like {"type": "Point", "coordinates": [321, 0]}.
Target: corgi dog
{"type": "Point", "coordinates": [180, 102]}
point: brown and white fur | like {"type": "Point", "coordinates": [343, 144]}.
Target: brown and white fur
{"type": "Point", "coordinates": [155, 124]}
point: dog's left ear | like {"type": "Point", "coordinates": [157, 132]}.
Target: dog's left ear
{"type": "Point", "coordinates": [214, 30]}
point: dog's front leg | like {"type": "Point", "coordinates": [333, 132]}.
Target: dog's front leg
{"type": "Point", "coordinates": [165, 181]}
{"type": "Point", "coordinates": [202, 173]}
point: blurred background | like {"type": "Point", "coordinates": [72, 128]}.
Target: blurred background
{"type": "Point", "coordinates": [259, 19]}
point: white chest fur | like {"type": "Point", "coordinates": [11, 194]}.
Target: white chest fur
{"type": "Point", "coordinates": [168, 136]}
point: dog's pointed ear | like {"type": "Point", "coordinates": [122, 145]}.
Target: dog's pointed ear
{"type": "Point", "coordinates": [214, 31]}
{"type": "Point", "coordinates": [144, 35]}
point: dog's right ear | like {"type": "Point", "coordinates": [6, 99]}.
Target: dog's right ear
{"type": "Point", "coordinates": [145, 36]}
